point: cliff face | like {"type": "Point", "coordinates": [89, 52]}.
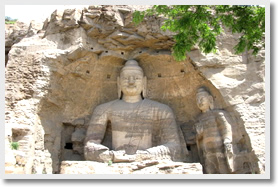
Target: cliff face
{"type": "Point", "coordinates": [57, 76]}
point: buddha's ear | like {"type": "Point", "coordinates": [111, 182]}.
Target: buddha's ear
{"type": "Point", "coordinates": [211, 103]}
{"type": "Point", "coordinates": [144, 86]}
{"type": "Point", "coordinates": [119, 88]}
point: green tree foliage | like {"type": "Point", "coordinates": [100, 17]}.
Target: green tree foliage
{"type": "Point", "coordinates": [201, 24]}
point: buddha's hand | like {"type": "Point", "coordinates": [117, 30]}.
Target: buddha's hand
{"type": "Point", "coordinates": [229, 154]}
{"type": "Point", "coordinates": [199, 128]}
{"type": "Point", "coordinates": [228, 145]}
{"type": "Point", "coordinates": [121, 156]}
{"type": "Point", "coordinates": [97, 152]}
{"type": "Point", "coordinates": [143, 155]}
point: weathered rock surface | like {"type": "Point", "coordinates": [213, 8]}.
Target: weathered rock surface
{"type": "Point", "coordinates": [14, 33]}
{"type": "Point", "coordinates": [55, 79]}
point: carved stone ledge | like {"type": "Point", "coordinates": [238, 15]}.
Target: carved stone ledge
{"type": "Point", "coordinates": [144, 167]}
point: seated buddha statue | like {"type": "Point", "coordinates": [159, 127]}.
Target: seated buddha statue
{"type": "Point", "coordinates": [141, 128]}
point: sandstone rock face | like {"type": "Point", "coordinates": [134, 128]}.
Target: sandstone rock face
{"type": "Point", "coordinates": [56, 77]}
{"type": "Point", "coordinates": [14, 33]}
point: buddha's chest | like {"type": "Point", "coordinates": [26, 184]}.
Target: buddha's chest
{"type": "Point", "coordinates": [131, 130]}
{"type": "Point", "coordinates": [133, 121]}
{"type": "Point", "coordinates": [132, 114]}
{"type": "Point", "coordinates": [208, 122]}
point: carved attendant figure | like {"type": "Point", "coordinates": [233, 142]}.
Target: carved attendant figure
{"type": "Point", "coordinates": [141, 128]}
{"type": "Point", "coordinates": [214, 136]}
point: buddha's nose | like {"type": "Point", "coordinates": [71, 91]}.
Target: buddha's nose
{"type": "Point", "coordinates": [131, 80]}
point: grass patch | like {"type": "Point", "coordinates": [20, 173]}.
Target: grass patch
{"type": "Point", "coordinates": [110, 163]}
{"type": "Point", "coordinates": [10, 22]}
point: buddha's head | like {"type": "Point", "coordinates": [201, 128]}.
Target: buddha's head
{"type": "Point", "coordinates": [131, 81]}
{"type": "Point", "coordinates": [204, 100]}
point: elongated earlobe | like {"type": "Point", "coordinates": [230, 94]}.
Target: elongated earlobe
{"type": "Point", "coordinates": [119, 88]}
{"type": "Point", "coordinates": [145, 87]}
{"type": "Point", "coordinates": [211, 103]}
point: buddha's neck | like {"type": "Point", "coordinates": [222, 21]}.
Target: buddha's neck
{"type": "Point", "coordinates": [205, 110]}
{"type": "Point", "coordinates": [132, 99]}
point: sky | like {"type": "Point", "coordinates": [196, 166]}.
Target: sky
{"type": "Point", "coordinates": [27, 13]}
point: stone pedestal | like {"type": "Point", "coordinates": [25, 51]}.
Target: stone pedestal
{"type": "Point", "coordinates": [144, 167]}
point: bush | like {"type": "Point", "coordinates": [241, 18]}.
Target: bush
{"type": "Point", "coordinates": [14, 145]}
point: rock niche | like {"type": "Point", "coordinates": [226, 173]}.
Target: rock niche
{"type": "Point", "coordinates": [57, 75]}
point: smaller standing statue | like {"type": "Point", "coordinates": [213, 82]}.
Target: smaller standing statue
{"type": "Point", "coordinates": [214, 136]}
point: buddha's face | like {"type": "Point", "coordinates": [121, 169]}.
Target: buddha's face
{"type": "Point", "coordinates": [203, 101]}
{"type": "Point", "coordinates": [131, 82]}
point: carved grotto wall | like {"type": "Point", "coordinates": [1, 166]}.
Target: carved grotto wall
{"type": "Point", "coordinates": [54, 80]}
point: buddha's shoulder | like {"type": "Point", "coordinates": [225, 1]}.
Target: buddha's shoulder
{"type": "Point", "coordinates": [106, 106]}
